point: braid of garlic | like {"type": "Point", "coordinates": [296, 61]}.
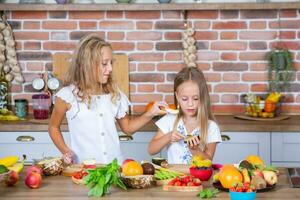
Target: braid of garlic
{"type": "Point", "coordinates": [8, 55]}
{"type": "Point", "coordinates": [189, 47]}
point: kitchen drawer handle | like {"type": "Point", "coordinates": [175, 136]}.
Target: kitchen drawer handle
{"type": "Point", "coordinates": [225, 138]}
{"type": "Point", "coordinates": [125, 137]}
{"type": "Point", "coordinates": [25, 138]}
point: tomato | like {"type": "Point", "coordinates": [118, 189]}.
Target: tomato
{"type": "Point", "coordinates": [177, 183]}
{"type": "Point", "coordinates": [186, 179]}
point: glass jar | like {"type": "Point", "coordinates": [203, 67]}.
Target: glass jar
{"type": "Point", "coordinates": [21, 106]}
{"type": "Point", "coordinates": [41, 105]}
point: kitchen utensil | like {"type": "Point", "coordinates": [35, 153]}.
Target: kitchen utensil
{"type": "Point", "coordinates": [38, 83]}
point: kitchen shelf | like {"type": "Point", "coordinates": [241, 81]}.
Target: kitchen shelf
{"type": "Point", "coordinates": [142, 7]}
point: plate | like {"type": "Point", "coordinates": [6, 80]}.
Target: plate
{"type": "Point", "coordinates": [220, 187]}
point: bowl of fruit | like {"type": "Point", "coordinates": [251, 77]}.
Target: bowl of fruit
{"type": "Point", "coordinates": [242, 191]}
{"type": "Point", "coordinates": [136, 175]}
{"type": "Point", "coordinates": [201, 168]}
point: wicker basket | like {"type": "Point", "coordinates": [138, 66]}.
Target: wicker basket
{"type": "Point", "coordinates": [258, 109]}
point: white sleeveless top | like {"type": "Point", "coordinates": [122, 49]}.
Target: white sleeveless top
{"type": "Point", "coordinates": [93, 130]}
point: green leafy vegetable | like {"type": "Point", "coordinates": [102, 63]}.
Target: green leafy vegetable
{"type": "Point", "coordinates": [100, 180]}
{"type": "Point", "coordinates": [208, 193]}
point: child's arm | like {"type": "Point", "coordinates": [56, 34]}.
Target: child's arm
{"type": "Point", "coordinates": [60, 108]}
{"type": "Point", "coordinates": [160, 140]}
{"type": "Point", "coordinates": [131, 125]}
{"type": "Point", "coordinates": [208, 153]}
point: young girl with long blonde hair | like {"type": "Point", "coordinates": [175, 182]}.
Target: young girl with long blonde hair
{"type": "Point", "coordinates": [92, 103]}
{"type": "Point", "coordinates": [193, 131]}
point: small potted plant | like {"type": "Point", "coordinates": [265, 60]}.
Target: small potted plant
{"type": "Point", "coordinates": [280, 69]}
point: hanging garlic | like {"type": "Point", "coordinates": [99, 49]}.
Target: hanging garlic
{"type": "Point", "coordinates": [9, 77]}
{"type": "Point", "coordinates": [2, 57]}
{"type": "Point", "coordinates": [9, 59]}
{"type": "Point", "coordinates": [189, 47]}
{"type": "Point", "coordinates": [6, 69]}
{"type": "Point", "coordinates": [16, 69]}
{"type": "Point", "coordinates": [19, 78]}
{"type": "Point", "coordinates": [2, 25]}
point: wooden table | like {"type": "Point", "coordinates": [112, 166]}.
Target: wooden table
{"type": "Point", "coordinates": [62, 188]}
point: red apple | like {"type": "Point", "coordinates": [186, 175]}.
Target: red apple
{"type": "Point", "coordinates": [33, 180]}
{"type": "Point", "coordinates": [34, 168]}
{"type": "Point", "coordinates": [257, 172]}
{"type": "Point", "coordinates": [127, 160]}
{"type": "Point", "coordinates": [12, 178]}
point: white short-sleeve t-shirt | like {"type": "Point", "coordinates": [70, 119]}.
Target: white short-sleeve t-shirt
{"type": "Point", "coordinates": [92, 129]}
{"type": "Point", "coordinates": [178, 152]}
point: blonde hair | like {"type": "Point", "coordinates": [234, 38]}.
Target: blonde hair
{"type": "Point", "coordinates": [204, 110]}
{"type": "Point", "coordinates": [82, 74]}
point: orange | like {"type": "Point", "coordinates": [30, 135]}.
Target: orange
{"type": "Point", "coordinates": [229, 176]}
{"type": "Point", "coordinates": [255, 160]}
{"type": "Point", "coordinates": [132, 168]}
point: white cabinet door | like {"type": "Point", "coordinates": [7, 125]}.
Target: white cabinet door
{"type": "Point", "coordinates": [286, 149]}
{"type": "Point", "coordinates": [137, 148]}
{"type": "Point", "coordinates": [35, 145]}
{"type": "Point", "coordinates": [242, 144]}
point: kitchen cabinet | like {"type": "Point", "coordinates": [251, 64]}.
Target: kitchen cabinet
{"type": "Point", "coordinates": [35, 145]}
{"type": "Point", "coordinates": [242, 144]}
{"type": "Point", "coordinates": [137, 148]}
{"type": "Point", "coordinates": [285, 149]}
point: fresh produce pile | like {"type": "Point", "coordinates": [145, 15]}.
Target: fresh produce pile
{"type": "Point", "coordinates": [185, 181]}
{"type": "Point", "coordinates": [200, 163]}
{"type": "Point", "coordinates": [164, 174]}
{"type": "Point", "coordinates": [7, 115]}
{"type": "Point", "coordinates": [136, 175]}
{"type": "Point", "coordinates": [251, 171]}
{"type": "Point", "coordinates": [100, 179]}
{"type": "Point", "coordinates": [10, 169]}
{"type": "Point", "coordinates": [256, 106]}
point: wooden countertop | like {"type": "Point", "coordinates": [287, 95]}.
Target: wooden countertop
{"type": "Point", "coordinates": [227, 123]}
{"type": "Point", "coordinates": [62, 188]}
{"type": "Point", "coordinates": [150, 6]}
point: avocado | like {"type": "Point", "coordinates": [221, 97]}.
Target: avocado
{"type": "Point", "coordinates": [3, 169]}
{"type": "Point", "coordinates": [158, 160]}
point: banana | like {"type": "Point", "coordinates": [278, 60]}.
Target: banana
{"type": "Point", "coordinates": [18, 167]}
{"type": "Point", "coordinates": [9, 161]}
{"type": "Point", "coordinates": [4, 111]}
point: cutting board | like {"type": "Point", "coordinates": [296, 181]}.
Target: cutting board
{"type": "Point", "coordinates": [182, 188]}
{"type": "Point", "coordinates": [260, 118]}
{"type": "Point", "coordinates": [61, 63]}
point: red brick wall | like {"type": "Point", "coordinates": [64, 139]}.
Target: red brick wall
{"type": "Point", "coordinates": [232, 46]}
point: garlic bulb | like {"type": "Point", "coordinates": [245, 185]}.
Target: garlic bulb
{"type": "Point", "coordinates": [189, 47]}
{"type": "Point", "coordinates": [8, 55]}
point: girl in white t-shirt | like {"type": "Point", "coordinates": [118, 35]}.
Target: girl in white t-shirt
{"type": "Point", "coordinates": [92, 104]}
{"type": "Point", "coordinates": [193, 131]}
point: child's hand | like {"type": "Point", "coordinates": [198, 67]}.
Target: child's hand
{"type": "Point", "coordinates": [193, 142]}
{"type": "Point", "coordinates": [156, 109]}
{"type": "Point", "coordinates": [175, 136]}
{"type": "Point", "coordinates": [68, 157]}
